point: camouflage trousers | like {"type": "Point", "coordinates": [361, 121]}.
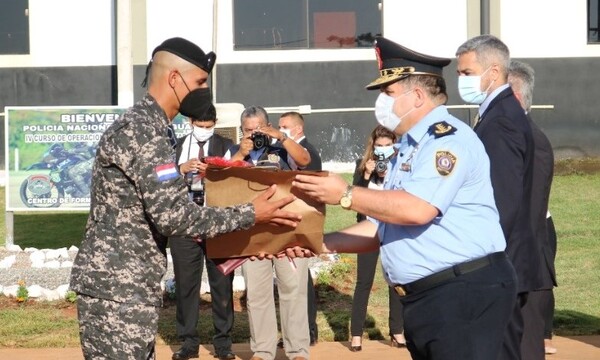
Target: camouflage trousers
{"type": "Point", "coordinates": [113, 330]}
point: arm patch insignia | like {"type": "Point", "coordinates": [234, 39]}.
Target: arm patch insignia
{"type": "Point", "coordinates": [444, 162]}
{"type": "Point", "coordinates": [441, 129]}
{"type": "Point", "coordinates": [166, 172]}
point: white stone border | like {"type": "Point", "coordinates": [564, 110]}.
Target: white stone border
{"type": "Point", "coordinates": [60, 258]}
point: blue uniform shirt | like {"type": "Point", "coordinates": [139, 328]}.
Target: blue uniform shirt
{"type": "Point", "coordinates": [452, 173]}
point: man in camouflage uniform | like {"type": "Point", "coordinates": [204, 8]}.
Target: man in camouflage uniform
{"type": "Point", "coordinates": [138, 200]}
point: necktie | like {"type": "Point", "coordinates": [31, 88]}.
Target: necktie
{"type": "Point", "coordinates": [201, 150]}
{"type": "Point", "coordinates": [476, 120]}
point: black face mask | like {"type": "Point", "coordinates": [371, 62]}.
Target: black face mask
{"type": "Point", "coordinates": [194, 101]}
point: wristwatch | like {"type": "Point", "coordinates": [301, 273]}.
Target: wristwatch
{"type": "Point", "coordinates": [346, 200]}
{"type": "Point", "coordinates": [283, 138]}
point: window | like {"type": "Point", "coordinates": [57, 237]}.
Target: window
{"type": "Point", "coordinates": [593, 20]}
{"type": "Point", "coordinates": [14, 27]}
{"type": "Point", "coordinates": [305, 24]}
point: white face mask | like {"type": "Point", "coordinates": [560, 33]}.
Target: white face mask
{"type": "Point", "coordinates": [203, 134]}
{"type": "Point", "coordinates": [384, 111]}
{"type": "Point", "coordinates": [287, 132]}
{"type": "Point", "coordinates": [469, 88]}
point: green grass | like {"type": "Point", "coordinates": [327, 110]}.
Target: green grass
{"type": "Point", "coordinates": [48, 324]}
{"type": "Point", "coordinates": [575, 209]}
{"type": "Point", "coordinates": [336, 217]}
{"type": "Point", "coordinates": [574, 206]}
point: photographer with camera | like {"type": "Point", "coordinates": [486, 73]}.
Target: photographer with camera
{"type": "Point", "coordinates": [258, 148]}
{"type": "Point", "coordinates": [262, 143]}
{"type": "Point", "coordinates": [189, 255]}
{"type": "Point", "coordinates": [370, 172]}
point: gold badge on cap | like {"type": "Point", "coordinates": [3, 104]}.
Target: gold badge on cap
{"type": "Point", "coordinates": [444, 162]}
{"type": "Point", "coordinates": [274, 158]}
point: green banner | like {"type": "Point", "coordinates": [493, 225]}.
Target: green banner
{"type": "Point", "coordinates": [50, 154]}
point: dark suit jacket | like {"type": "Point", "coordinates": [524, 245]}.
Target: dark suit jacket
{"type": "Point", "coordinates": [217, 146]}
{"type": "Point", "coordinates": [508, 140]}
{"type": "Point", "coordinates": [543, 171]}
{"type": "Point", "coordinates": [359, 180]}
{"type": "Point", "coordinates": [315, 159]}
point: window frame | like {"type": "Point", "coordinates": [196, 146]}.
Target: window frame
{"type": "Point", "coordinates": [23, 28]}
{"type": "Point", "coordinates": [308, 29]}
{"type": "Point", "coordinates": [590, 38]}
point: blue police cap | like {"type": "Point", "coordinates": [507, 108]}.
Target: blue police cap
{"type": "Point", "coordinates": [397, 62]}
{"type": "Point", "coordinates": [188, 51]}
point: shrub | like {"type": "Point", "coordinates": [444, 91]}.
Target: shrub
{"type": "Point", "coordinates": [22, 292]}
{"type": "Point", "coordinates": [71, 296]}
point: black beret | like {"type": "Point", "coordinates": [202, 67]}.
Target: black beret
{"type": "Point", "coordinates": [188, 51]}
{"type": "Point", "coordinates": [397, 62]}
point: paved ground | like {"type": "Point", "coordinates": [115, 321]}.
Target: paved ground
{"type": "Point", "coordinates": [571, 348]}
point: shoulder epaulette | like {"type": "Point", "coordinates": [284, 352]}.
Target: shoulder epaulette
{"type": "Point", "coordinates": [441, 129]}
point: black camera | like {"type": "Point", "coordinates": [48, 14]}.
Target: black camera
{"type": "Point", "coordinates": [259, 140]}
{"type": "Point", "coordinates": [380, 163]}
{"type": "Point", "coordinates": [198, 197]}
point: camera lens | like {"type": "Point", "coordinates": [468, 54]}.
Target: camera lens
{"type": "Point", "coordinates": [259, 140]}
{"type": "Point", "coordinates": [380, 163]}
{"type": "Point", "coordinates": [198, 197]}
{"type": "Point", "coordinates": [381, 166]}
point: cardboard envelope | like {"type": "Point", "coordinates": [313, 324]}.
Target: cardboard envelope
{"type": "Point", "coordinates": [227, 186]}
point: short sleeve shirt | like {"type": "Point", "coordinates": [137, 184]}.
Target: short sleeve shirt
{"type": "Point", "coordinates": [441, 161]}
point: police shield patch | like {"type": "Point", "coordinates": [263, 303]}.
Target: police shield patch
{"type": "Point", "coordinates": [444, 162]}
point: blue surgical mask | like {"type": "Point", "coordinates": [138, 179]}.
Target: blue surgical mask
{"type": "Point", "coordinates": [469, 88]}
{"type": "Point", "coordinates": [386, 151]}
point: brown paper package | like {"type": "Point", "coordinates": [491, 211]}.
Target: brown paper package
{"type": "Point", "coordinates": [236, 185]}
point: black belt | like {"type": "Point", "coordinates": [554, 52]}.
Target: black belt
{"type": "Point", "coordinates": [450, 273]}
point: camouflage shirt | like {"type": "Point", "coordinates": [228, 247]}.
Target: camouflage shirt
{"type": "Point", "coordinates": [138, 199]}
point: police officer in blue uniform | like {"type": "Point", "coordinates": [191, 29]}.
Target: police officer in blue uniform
{"type": "Point", "coordinates": [442, 247]}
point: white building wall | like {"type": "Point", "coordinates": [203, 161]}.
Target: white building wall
{"type": "Point", "coordinates": [546, 28]}
{"type": "Point", "coordinates": [190, 19]}
{"type": "Point", "coordinates": [82, 33]}
{"type": "Point", "coordinates": [68, 33]}
{"type": "Point", "coordinates": [433, 27]}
